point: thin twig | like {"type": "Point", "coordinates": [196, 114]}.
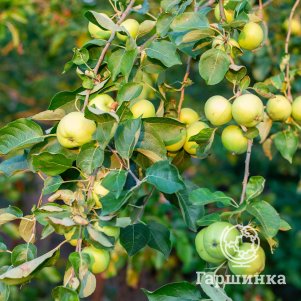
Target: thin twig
{"type": "Point", "coordinates": [247, 171]}
{"type": "Point", "coordinates": [287, 40]}
{"type": "Point", "coordinates": [222, 10]}
{"type": "Point", "coordinates": [260, 10]}
{"type": "Point", "coordinates": [106, 48]}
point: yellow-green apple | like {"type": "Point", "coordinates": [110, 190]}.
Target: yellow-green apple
{"type": "Point", "coordinates": [279, 108]}
{"type": "Point", "coordinates": [251, 36]}
{"type": "Point", "coordinates": [143, 108]}
{"type": "Point", "coordinates": [132, 27]}
{"type": "Point", "coordinates": [99, 259]}
{"type": "Point", "coordinates": [234, 140]}
{"type": "Point", "coordinates": [296, 109]}
{"type": "Point", "coordinates": [102, 102]}
{"type": "Point", "coordinates": [188, 116]}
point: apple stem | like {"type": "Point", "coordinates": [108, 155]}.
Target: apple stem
{"type": "Point", "coordinates": [247, 171]}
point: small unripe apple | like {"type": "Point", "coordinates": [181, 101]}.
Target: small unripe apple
{"type": "Point", "coordinates": [279, 108]}
{"type": "Point", "coordinates": [188, 116]}
{"type": "Point", "coordinates": [251, 36]}
{"type": "Point", "coordinates": [200, 248]}
{"type": "Point", "coordinates": [295, 26]}
{"type": "Point", "coordinates": [176, 143]}
{"type": "Point", "coordinates": [218, 110]}
{"type": "Point", "coordinates": [143, 108]}
{"type": "Point", "coordinates": [296, 109]}
{"type": "Point", "coordinates": [100, 259]}
{"type": "Point", "coordinates": [97, 32]}
{"type": "Point", "coordinates": [234, 140]}
{"type": "Point", "coordinates": [75, 130]}
{"type": "Point", "coordinates": [132, 27]}
{"type": "Point", "coordinates": [252, 268]}
{"type": "Point", "coordinates": [247, 110]}
{"type": "Point", "coordinates": [229, 14]}
{"type": "Point", "coordinates": [102, 102]}
{"type": "Point", "coordinates": [193, 129]}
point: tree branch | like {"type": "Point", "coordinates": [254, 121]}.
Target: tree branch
{"type": "Point", "coordinates": [247, 171]}
{"type": "Point", "coordinates": [222, 10]}
{"type": "Point", "coordinates": [287, 40]}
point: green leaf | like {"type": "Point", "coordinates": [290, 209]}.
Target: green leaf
{"type": "Point", "coordinates": [52, 184]}
{"type": "Point", "coordinates": [81, 56]}
{"type": "Point", "coordinates": [129, 91]}
{"type": "Point", "coordinates": [195, 36]}
{"type": "Point", "coordinates": [266, 215]}
{"type": "Point", "coordinates": [25, 271]}
{"type": "Point", "coordinates": [169, 5]}
{"type": "Point", "coordinates": [165, 177]}
{"type": "Point", "coordinates": [287, 144]}
{"type": "Point", "coordinates": [61, 293]}
{"type": "Point", "coordinates": [98, 238]}
{"type": "Point", "coordinates": [159, 238]}
{"type": "Point", "coordinates": [284, 225]}
{"type": "Point", "coordinates": [191, 212]}
{"type": "Point", "coordinates": [255, 187]}
{"type": "Point", "coordinates": [204, 196]}
{"type": "Point", "coordinates": [51, 164]}
{"type": "Point", "coordinates": [62, 98]}
{"type": "Point", "coordinates": [163, 24]}
{"type": "Point", "coordinates": [236, 74]}
{"type": "Point", "coordinates": [214, 64]}
{"type": "Point", "coordinates": [13, 165]}
{"type": "Point", "coordinates": [188, 21]}
{"type": "Point", "coordinates": [204, 139]}
{"type": "Point", "coordinates": [87, 284]}
{"type": "Point", "coordinates": [208, 219]}
{"type": "Point", "coordinates": [115, 181]}
{"type": "Point", "coordinates": [19, 134]}
{"type": "Point", "coordinates": [90, 158]}
{"type": "Point", "coordinates": [102, 20]}
{"type": "Point", "coordinates": [165, 52]}
{"type": "Point", "coordinates": [178, 291]}
{"type": "Point", "coordinates": [23, 253]}
{"type": "Point", "coordinates": [134, 237]}
{"type": "Point", "coordinates": [9, 214]}
{"type": "Point", "coordinates": [126, 137]}
{"type": "Point", "coordinates": [4, 292]}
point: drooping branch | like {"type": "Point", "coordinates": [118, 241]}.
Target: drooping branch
{"type": "Point", "coordinates": [287, 40]}
{"type": "Point", "coordinates": [247, 171]}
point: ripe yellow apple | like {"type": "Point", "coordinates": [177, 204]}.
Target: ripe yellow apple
{"type": "Point", "coordinates": [100, 259]}
{"type": "Point", "coordinates": [218, 110]}
{"type": "Point", "coordinates": [70, 237]}
{"type": "Point", "coordinates": [247, 110]}
{"type": "Point", "coordinates": [234, 140]}
{"type": "Point", "coordinates": [143, 108]}
{"type": "Point", "coordinates": [193, 129]}
{"type": "Point", "coordinates": [200, 248]}
{"type": "Point", "coordinates": [188, 116]}
{"type": "Point", "coordinates": [102, 102]}
{"type": "Point", "coordinates": [132, 26]}
{"type": "Point", "coordinates": [296, 109]}
{"type": "Point", "coordinates": [97, 32]}
{"type": "Point", "coordinates": [279, 108]}
{"type": "Point", "coordinates": [176, 143]}
{"type": "Point", "coordinates": [255, 267]}
{"type": "Point", "coordinates": [75, 130]}
{"type": "Point", "coordinates": [251, 36]}
{"type": "Point", "coordinates": [295, 26]}
{"type": "Point", "coordinates": [228, 13]}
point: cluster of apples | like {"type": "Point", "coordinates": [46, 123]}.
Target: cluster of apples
{"type": "Point", "coordinates": [211, 245]}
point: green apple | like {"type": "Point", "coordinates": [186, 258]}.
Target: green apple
{"type": "Point", "coordinates": [251, 36]}
{"type": "Point", "coordinates": [234, 140]}
{"type": "Point", "coordinates": [143, 108]}
{"type": "Point", "coordinates": [176, 143]}
{"type": "Point", "coordinates": [100, 259]}
{"type": "Point", "coordinates": [192, 130]}
{"type": "Point", "coordinates": [255, 267]}
{"type": "Point", "coordinates": [199, 244]}
{"type": "Point", "coordinates": [132, 27]}
{"type": "Point", "coordinates": [228, 13]}
{"type": "Point", "coordinates": [102, 102]}
{"type": "Point", "coordinates": [248, 110]}
{"type": "Point", "coordinates": [97, 32]}
{"type": "Point", "coordinates": [213, 243]}
{"type": "Point", "coordinates": [75, 130]}
{"type": "Point", "coordinates": [218, 110]}
{"type": "Point", "coordinates": [188, 116]}
{"type": "Point", "coordinates": [296, 109]}
{"type": "Point", "coordinates": [279, 108]}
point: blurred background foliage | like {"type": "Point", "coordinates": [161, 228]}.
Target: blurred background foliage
{"type": "Point", "coordinates": [36, 40]}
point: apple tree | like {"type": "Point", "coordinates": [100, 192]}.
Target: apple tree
{"type": "Point", "coordinates": [120, 138]}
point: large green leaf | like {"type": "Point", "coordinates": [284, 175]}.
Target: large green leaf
{"type": "Point", "coordinates": [255, 187]}
{"type": "Point", "coordinates": [23, 253]}
{"type": "Point", "coordinates": [214, 64]}
{"type": "Point", "coordinates": [14, 165]}
{"type": "Point", "coordinates": [52, 184]}
{"type": "Point", "coordinates": [114, 181]}
{"type": "Point", "coordinates": [188, 21]}
{"type": "Point", "coordinates": [102, 20]}
{"type": "Point", "coordinates": [9, 214]}
{"type": "Point", "coordinates": [165, 52]}
{"type": "Point", "coordinates": [62, 98]}
{"type": "Point", "coordinates": [19, 134]}
{"type": "Point", "coordinates": [179, 291]}
{"type": "Point", "coordinates": [134, 237]}
{"type": "Point", "coordinates": [165, 177]}
{"type": "Point", "coordinates": [129, 91]}
{"type": "Point", "coordinates": [4, 292]}
{"type": "Point", "coordinates": [287, 144]}
{"type": "Point", "coordinates": [266, 215]}
{"type": "Point", "coordinates": [61, 293]}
